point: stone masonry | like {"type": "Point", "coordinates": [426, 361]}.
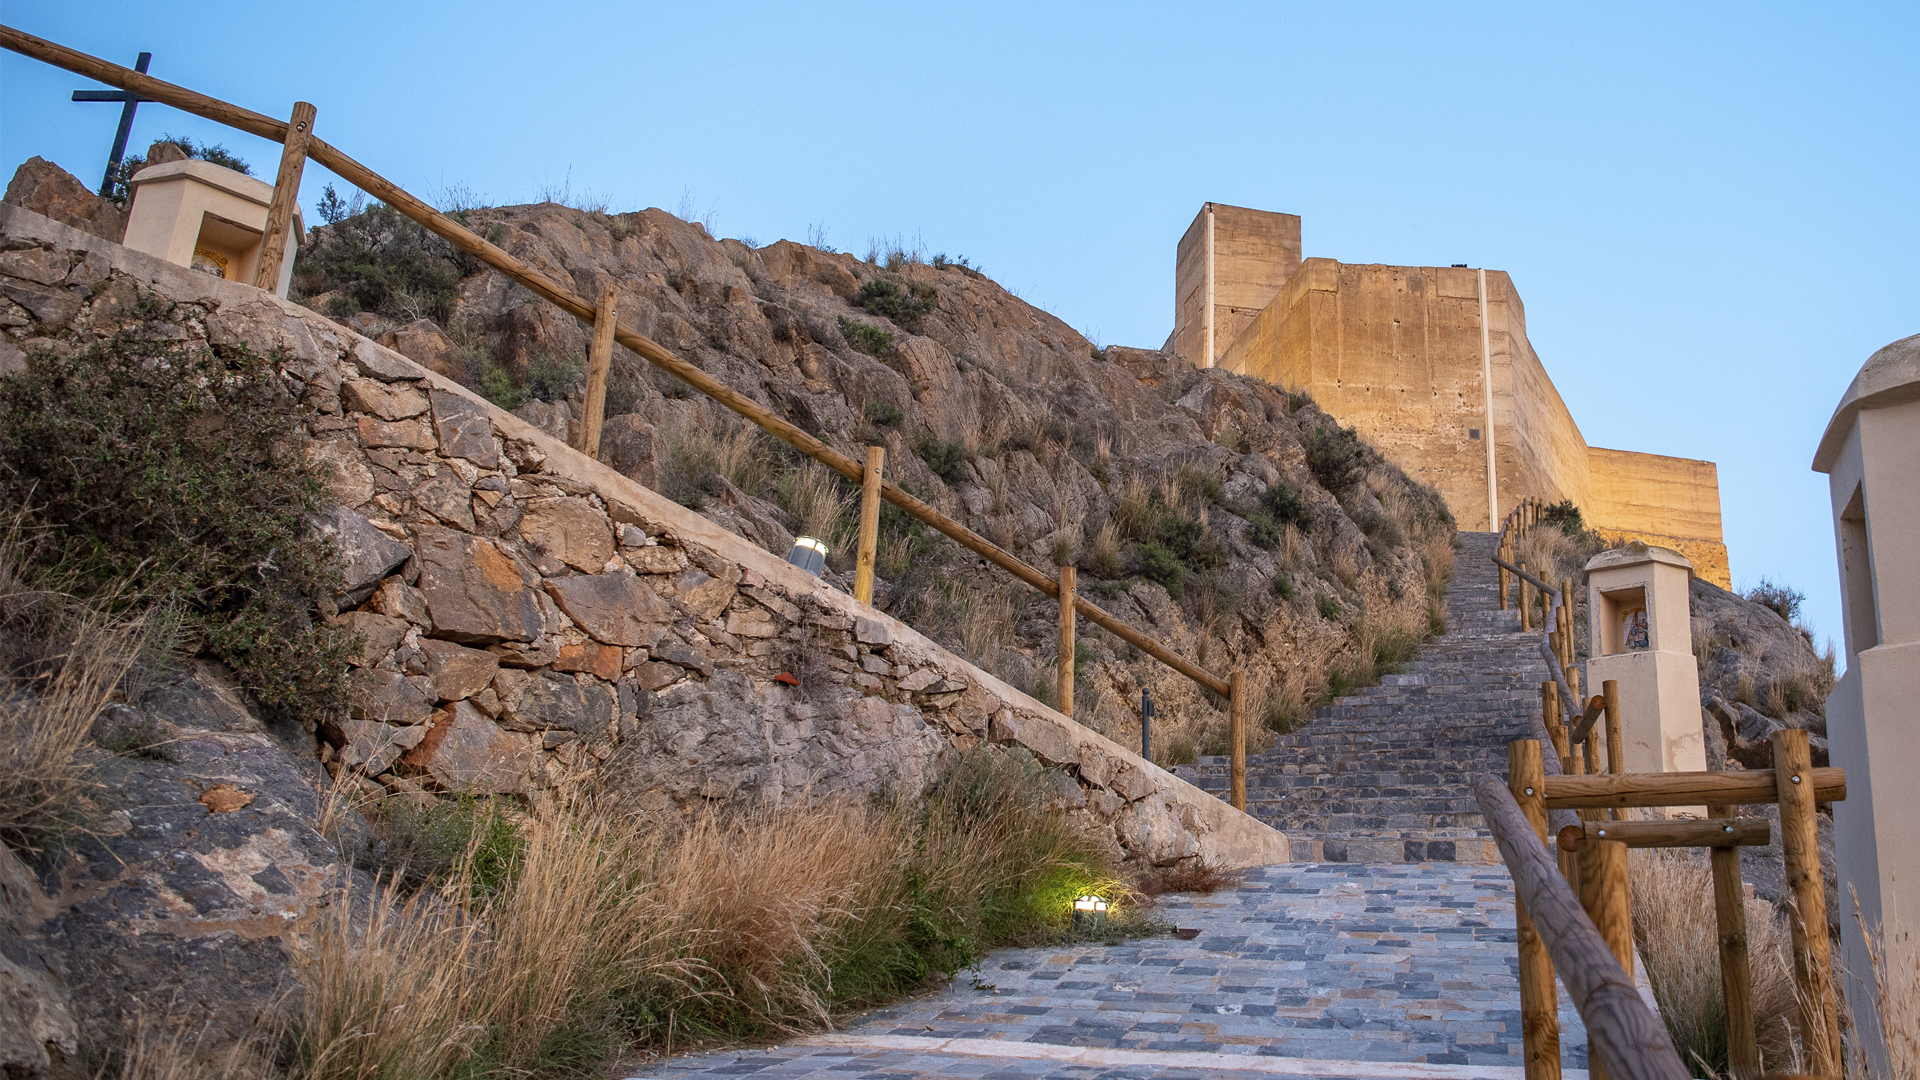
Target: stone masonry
{"type": "Point", "coordinates": [1362, 782]}
{"type": "Point", "coordinates": [532, 617]}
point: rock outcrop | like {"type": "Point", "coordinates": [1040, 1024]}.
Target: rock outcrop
{"type": "Point", "coordinates": [47, 189]}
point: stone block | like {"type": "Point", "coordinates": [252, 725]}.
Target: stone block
{"type": "Point", "coordinates": [381, 634]}
{"type": "Point", "coordinates": [602, 661]}
{"type": "Point", "coordinates": [406, 434]}
{"type": "Point", "coordinates": [615, 608]}
{"type": "Point", "coordinates": [379, 363]}
{"type": "Point", "coordinates": [550, 700]}
{"type": "Point", "coordinates": [566, 531]}
{"type": "Point", "coordinates": [458, 672]}
{"type": "Point", "coordinates": [341, 470]}
{"type": "Point", "coordinates": [474, 593]}
{"type": "Point", "coordinates": [397, 598]}
{"type": "Point", "coordinates": [658, 559]}
{"type": "Point", "coordinates": [1130, 783]}
{"type": "Point", "coordinates": [464, 428]}
{"type": "Point", "coordinates": [872, 632]}
{"type": "Point", "coordinates": [655, 675]}
{"type": "Point", "coordinates": [389, 696]}
{"type": "Point", "coordinates": [379, 400]}
{"type": "Point", "coordinates": [751, 624]}
{"type": "Point", "coordinates": [373, 747]}
{"type": "Point", "coordinates": [466, 752]}
{"type": "Point", "coordinates": [702, 596]}
{"type": "Point", "coordinates": [1048, 741]}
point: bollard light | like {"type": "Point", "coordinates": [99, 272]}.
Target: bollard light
{"type": "Point", "coordinates": [1089, 913]}
{"type": "Point", "coordinates": [808, 554]}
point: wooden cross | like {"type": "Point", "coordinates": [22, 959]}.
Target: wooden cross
{"type": "Point", "coordinates": [130, 102]}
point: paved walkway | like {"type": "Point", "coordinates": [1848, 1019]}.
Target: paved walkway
{"type": "Point", "coordinates": [1325, 970]}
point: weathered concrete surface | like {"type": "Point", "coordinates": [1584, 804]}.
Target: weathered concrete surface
{"type": "Point", "coordinates": [1394, 351]}
{"type": "Point", "coordinates": [1253, 254]}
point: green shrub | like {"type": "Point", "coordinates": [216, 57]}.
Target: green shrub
{"type": "Point", "coordinates": [1328, 606]}
{"type": "Point", "coordinates": [884, 414]}
{"type": "Point", "coordinates": [906, 305]}
{"type": "Point", "coordinates": [157, 468]}
{"type": "Point", "coordinates": [1283, 586]}
{"type": "Point", "coordinates": [554, 380]}
{"type": "Point", "coordinates": [1336, 456]}
{"type": "Point", "coordinates": [1566, 515]}
{"type": "Point", "coordinates": [864, 337]}
{"type": "Point", "coordinates": [1159, 564]}
{"type": "Point", "coordinates": [381, 261]}
{"type": "Point", "coordinates": [1283, 501]}
{"type": "Point", "coordinates": [118, 190]}
{"type": "Point", "coordinates": [947, 459]}
{"type": "Point", "coordinates": [1192, 543]}
{"type": "Point", "coordinates": [424, 842]}
{"type": "Point", "coordinates": [496, 385]}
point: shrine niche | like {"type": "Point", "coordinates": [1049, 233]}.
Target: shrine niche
{"type": "Point", "coordinates": [1642, 634]}
{"type": "Point", "coordinates": [207, 218]}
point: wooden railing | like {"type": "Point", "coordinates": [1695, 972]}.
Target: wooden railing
{"type": "Point", "coordinates": [1590, 942]}
{"type": "Point", "coordinates": [299, 143]}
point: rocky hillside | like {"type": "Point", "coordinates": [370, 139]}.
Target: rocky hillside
{"type": "Point", "coordinates": [1236, 522]}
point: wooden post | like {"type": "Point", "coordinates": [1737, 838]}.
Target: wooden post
{"type": "Point", "coordinates": [1736, 981]}
{"type": "Point", "coordinates": [1505, 552]}
{"type": "Point", "coordinates": [869, 523]}
{"type": "Point", "coordinates": [599, 362]}
{"type": "Point", "coordinates": [1550, 716]}
{"type": "Point", "coordinates": [1526, 605]}
{"type": "Point", "coordinates": [1237, 739]}
{"type": "Point", "coordinates": [1602, 886]}
{"type": "Point", "coordinates": [1616, 744]}
{"type": "Point", "coordinates": [1539, 1004]}
{"type": "Point", "coordinates": [286, 195]}
{"type": "Point", "coordinates": [1800, 844]}
{"type": "Point", "coordinates": [1063, 664]}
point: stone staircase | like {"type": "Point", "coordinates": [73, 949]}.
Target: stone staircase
{"type": "Point", "coordinates": [1381, 776]}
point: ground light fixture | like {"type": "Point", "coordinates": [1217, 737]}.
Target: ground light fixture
{"type": "Point", "coordinates": [1090, 913]}
{"type": "Point", "coordinates": [808, 554]}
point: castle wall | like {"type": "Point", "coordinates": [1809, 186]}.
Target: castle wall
{"type": "Point", "coordinates": [1394, 351]}
{"type": "Point", "coordinates": [1669, 501]}
{"type": "Point", "coordinates": [1254, 253]}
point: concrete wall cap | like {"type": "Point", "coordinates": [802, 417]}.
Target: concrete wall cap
{"type": "Point", "coordinates": [1635, 554]}
{"type": "Point", "coordinates": [235, 183]}
{"type": "Point", "coordinates": [1889, 377]}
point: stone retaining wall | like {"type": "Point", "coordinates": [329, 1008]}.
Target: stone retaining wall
{"type": "Point", "coordinates": [533, 617]}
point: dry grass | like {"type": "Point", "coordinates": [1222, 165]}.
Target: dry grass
{"type": "Point", "coordinates": [64, 659]}
{"type": "Point", "coordinates": [1893, 959]}
{"type": "Point", "coordinates": [160, 1049]}
{"type": "Point", "coordinates": [614, 932]}
{"type": "Point", "coordinates": [820, 503]}
{"type": "Point", "coordinates": [1671, 894]}
{"type": "Point", "coordinates": [698, 448]}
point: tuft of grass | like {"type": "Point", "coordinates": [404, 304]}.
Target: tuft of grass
{"type": "Point", "coordinates": [883, 414]}
{"type": "Point", "coordinates": [64, 660]}
{"type": "Point", "coordinates": [1893, 980]}
{"type": "Point", "coordinates": [1336, 456]}
{"type": "Point", "coordinates": [615, 933]}
{"type": "Point", "coordinates": [1328, 606]}
{"type": "Point", "coordinates": [890, 298]}
{"type": "Point", "coordinates": [1675, 926]}
{"type": "Point", "coordinates": [947, 460]}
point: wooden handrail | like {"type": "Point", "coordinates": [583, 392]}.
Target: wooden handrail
{"type": "Point", "coordinates": [1596, 708]}
{"type": "Point", "coordinates": [1707, 833]}
{"type": "Point", "coordinates": [580, 308]}
{"type": "Point", "coordinates": [1747, 787]}
{"type": "Point", "coordinates": [1628, 1039]}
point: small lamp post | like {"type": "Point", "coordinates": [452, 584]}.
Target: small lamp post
{"type": "Point", "coordinates": [1090, 914]}
{"type": "Point", "coordinates": [808, 554]}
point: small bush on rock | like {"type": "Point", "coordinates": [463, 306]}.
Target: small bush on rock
{"type": "Point", "coordinates": [864, 337]}
{"type": "Point", "coordinates": [1336, 456]}
{"type": "Point", "coordinates": [382, 261]}
{"type": "Point", "coordinates": [906, 305]}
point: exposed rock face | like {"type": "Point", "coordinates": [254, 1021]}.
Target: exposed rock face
{"type": "Point", "coordinates": [46, 188]}
{"type": "Point", "coordinates": [1758, 674]}
{"type": "Point", "coordinates": [179, 902]}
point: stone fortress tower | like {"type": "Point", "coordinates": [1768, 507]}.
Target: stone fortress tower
{"type": "Point", "coordinates": [1402, 354]}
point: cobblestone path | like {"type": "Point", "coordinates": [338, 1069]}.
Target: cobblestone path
{"type": "Point", "coordinates": [1324, 970]}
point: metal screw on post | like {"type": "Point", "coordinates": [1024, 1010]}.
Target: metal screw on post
{"type": "Point", "coordinates": [1146, 724]}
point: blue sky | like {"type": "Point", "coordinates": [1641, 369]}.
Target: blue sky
{"type": "Point", "coordinates": [1712, 211]}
